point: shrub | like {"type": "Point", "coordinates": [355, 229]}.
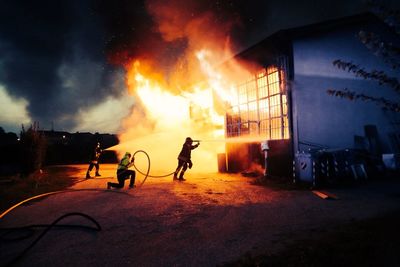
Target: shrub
{"type": "Point", "coordinates": [32, 149]}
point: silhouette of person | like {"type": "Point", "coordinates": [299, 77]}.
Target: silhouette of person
{"type": "Point", "coordinates": [184, 160]}
{"type": "Point", "coordinates": [94, 161]}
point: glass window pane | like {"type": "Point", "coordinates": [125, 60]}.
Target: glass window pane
{"type": "Point", "coordinates": [264, 129]}
{"type": "Point", "coordinates": [264, 109]}
{"type": "Point", "coordinates": [275, 108]}
{"type": "Point", "coordinates": [276, 130]}
{"type": "Point", "coordinates": [242, 94]}
{"type": "Point", "coordinates": [274, 88]}
{"type": "Point", "coordinates": [244, 116]}
{"type": "Point", "coordinates": [251, 90]}
{"type": "Point", "coordinates": [262, 85]}
{"type": "Point", "coordinates": [253, 116]}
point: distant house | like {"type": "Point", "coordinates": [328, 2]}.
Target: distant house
{"type": "Point", "coordinates": [286, 100]}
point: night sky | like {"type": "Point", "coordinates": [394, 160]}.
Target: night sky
{"type": "Point", "coordinates": [61, 62]}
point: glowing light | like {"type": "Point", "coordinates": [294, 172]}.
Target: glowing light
{"type": "Point", "coordinates": [165, 116]}
{"type": "Point", "coordinates": [215, 80]}
{"type": "Point", "coordinates": [161, 105]}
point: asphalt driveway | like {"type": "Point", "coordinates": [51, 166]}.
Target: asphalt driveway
{"type": "Point", "coordinates": [210, 219]}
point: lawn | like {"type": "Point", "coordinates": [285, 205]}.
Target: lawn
{"type": "Point", "coordinates": [14, 189]}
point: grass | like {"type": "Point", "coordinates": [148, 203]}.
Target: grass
{"type": "Point", "coordinates": [14, 189]}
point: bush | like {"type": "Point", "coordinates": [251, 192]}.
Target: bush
{"type": "Point", "coordinates": [32, 149]}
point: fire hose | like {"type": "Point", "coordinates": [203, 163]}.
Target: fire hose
{"type": "Point", "coordinates": [7, 233]}
{"type": "Point", "coordinates": [29, 229]}
{"type": "Point", "coordinates": [88, 189]}
{"type": "Point", "coordinates": [148, 168]}
{"type": "Point", "coordinates": [11, 234]}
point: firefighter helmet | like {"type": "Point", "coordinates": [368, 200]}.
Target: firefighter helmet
{"type": "Point", "coordinates": [188, 140]}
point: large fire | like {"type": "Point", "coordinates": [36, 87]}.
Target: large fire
{"type": "Point", "coordinates": [161, 120]}
{"type": "Point", "coordinates": [190, 102]}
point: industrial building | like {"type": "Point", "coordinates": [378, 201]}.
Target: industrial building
{"type": "Point", "coordinates": [285, 102]}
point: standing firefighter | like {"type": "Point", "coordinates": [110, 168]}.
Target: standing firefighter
{"type": "Point", "coordinates": [184, 158]}
{"type": "Point", "coordinates": [123, 172]}
{"type": "Point", "coordinates": [94, 161]}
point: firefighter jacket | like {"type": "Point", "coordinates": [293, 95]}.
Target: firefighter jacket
{"type": "Point", "coordinates": [96, 154]}
{"type": "Point", "coordinates": [124, 163]}
{"type": "Point", "coordinates": [186, 152]}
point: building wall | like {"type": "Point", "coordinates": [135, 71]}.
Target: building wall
{"type": "Point", "coordinates": [327, 121]}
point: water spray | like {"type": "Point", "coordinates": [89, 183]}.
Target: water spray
{"type": "Point", "coordinates": [254, 139]}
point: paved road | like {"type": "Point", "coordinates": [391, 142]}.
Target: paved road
{"type": "Point", "coordinates": [206, 221]}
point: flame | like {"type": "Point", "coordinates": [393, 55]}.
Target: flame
{"type": "Point", "coordinates": [173, 105]}
{"type": "Point", "coordinates": [215, 79]}
{"type": "Point", "coordinates": [161, 120]}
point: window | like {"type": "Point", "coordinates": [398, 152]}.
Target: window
{"type": "Point", "coordinates": [253, 118]}
{"type": "Point", "coordinates": [242, 94]}
{"type": "Point", "coordinates": [232, 122]}
{"type": "Point", "coordinates": [251, 90]}
{"type": "Point", "coordinates": [262, 108]}
{"type": "Point", "coordinates": [262, 84]}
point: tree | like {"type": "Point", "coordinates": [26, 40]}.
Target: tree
{"type": "Point", "coordinates": [32, 148]}
{"type": "Point", "coordinates": [388, 51]}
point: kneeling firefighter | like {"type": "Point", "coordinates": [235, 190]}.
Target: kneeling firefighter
{"type": "Point", "coordinates": [184, 160]}
{"type": "Point", "coordinates": [123, 172]}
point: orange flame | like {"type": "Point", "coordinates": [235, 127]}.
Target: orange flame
{"type": "Point", "coordinates": [167, 112]}
{"type": "Point", "coordinates": [161, 121]}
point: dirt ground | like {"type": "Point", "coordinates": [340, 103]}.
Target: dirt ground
{"type": "Point", "coordinates": [211, 219]}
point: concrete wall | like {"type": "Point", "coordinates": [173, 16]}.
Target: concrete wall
{"type": "Point", "coordinates": [330, 121]}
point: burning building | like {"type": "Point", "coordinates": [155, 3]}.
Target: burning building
{"type": "Point", "coordinates": [284, 99]}
{"type": "Point", "coordinates": [273, 93]}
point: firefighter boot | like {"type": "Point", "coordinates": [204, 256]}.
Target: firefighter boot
{"type": "Point", "coordinates": [87, 175]}
{"type": "Point", "coordinates": [181, 177]}
{"type": "Point", "coordinates": [98, 174]}
{"type": "Point", "coordinates": [175, 176]}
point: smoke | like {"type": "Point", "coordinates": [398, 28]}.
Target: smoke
{"type": "Point", "coordinates": [164, 73]}
{"type": "Point", "coordinates": [66, 57]}
{"type": "Point", "coordinates": [166, 33]}
{"type": "Point", "coordinates": [169, 107]}
{"type": "Point", "coordinates": [52, 55]}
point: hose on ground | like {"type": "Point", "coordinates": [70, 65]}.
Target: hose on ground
{"type": "Point", "coordinates": [29, 231]}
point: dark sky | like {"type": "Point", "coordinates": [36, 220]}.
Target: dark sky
{"type": "Point", "coordinates": [66, 56]}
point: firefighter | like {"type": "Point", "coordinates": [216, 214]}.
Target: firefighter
{"type": "Point", "coordinates": [94, 162]}
{"type": "Point", "coordinates": [184, 160]}
{"type": "Point", "coordinates": [123, 173]}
